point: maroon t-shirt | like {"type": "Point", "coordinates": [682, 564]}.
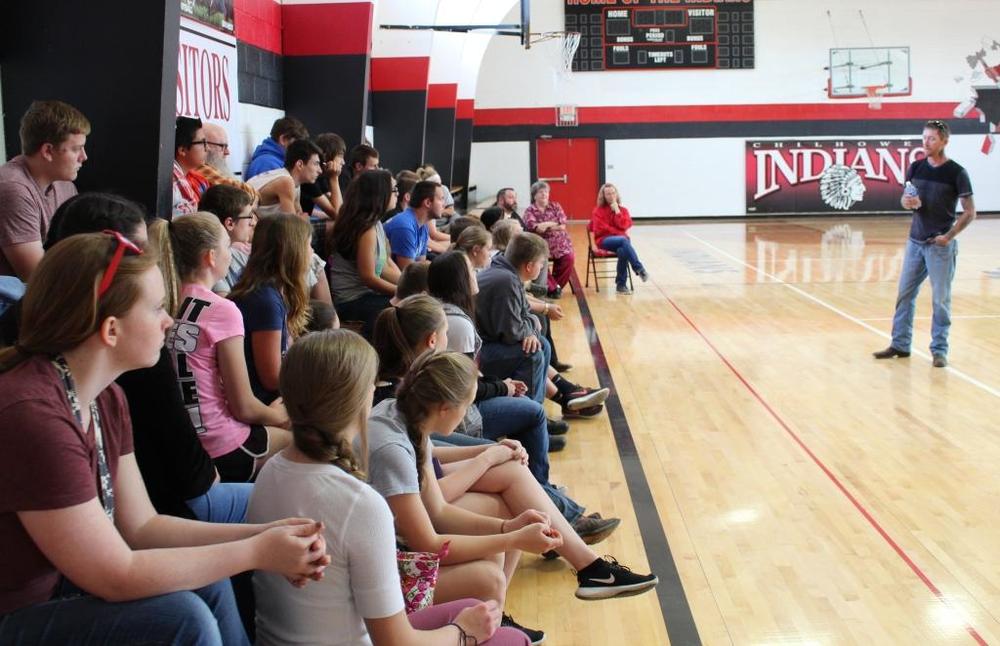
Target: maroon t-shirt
{"type": "Point", "coordinates": [46, 462]}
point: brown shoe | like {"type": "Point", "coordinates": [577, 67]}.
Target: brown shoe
{"type": "Point", "coordinates": [940, 361]}
{"type": "Point", "coordinates": [889, 353]}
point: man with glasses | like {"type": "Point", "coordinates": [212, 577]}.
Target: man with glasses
{"type": "Point", "coordinates": [190, 153]}
{"type": "Point", "coordinates": [216, 170]}
{"type": "Point", "coordinates": [934, 185]}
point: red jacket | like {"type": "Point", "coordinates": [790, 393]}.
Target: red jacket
{"type": "Point", "coordinates": [605, 223]}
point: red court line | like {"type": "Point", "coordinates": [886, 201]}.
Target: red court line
{"type": "Point", "coordinates": [829, 474]}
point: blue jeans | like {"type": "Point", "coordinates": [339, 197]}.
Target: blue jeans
{"type": "Point", "coordinates": [622, 246]}
{"type": "Point", "coordinates": [224, 502]}
{"type": "Point", "coordinates": [203, 617]}
{"type": "Point", "coordinates": [509, 360]}
{"type": "Point", "coordinates": [922, 261]}
{"type": "Point", "coordinates": [521, 419]}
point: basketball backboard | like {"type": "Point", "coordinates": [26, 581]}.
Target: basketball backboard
{"type": "Point", "coordinates": [853, 69]}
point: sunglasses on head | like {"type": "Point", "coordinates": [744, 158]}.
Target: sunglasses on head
{"type": "Point", "coordinates": [122, 244]}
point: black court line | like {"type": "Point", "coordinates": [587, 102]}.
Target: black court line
{"type": "Point", "coordinates": [674, 606]}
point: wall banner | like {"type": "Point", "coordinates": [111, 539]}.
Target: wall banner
{"type": "Point", "coordinates": [207, 84]}
{"type": "Point", "coordinates": [791, 176]}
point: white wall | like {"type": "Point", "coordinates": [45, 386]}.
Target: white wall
{"type": "Point", "coordinates": [496, 165]}
{"type": "Point", "coordinates": [255, 127]}
{"type": "Point", "coordinates": [706, 176]}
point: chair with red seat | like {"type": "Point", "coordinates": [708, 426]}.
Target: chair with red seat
{"type": "Point", "coordinates": [594, 255]}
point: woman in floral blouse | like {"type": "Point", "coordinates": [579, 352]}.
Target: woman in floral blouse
{"type": "Point", "coordinates": [548, 220]}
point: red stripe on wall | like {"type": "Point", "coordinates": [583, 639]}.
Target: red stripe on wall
{"type": "Point", "coordinates": [331, 29]}
{"type": "Point", "coordinates": [258, 22]}
{"type": "Point", "coordinates": [466, 109]}
{"type": "Point", "coordinates": [442, 95]}
{"type": "Point", "coordinates": [403, 74]}
{"type": "Point", "coordinates": [694, 113]}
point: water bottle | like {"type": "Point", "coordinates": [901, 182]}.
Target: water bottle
{"type": "Point", "coordinates": [910, 190]}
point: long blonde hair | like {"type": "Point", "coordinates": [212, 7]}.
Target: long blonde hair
{"type": "Point", "coordinates": [601, 201]}
{"type": "Point", "coordinates": [326, 380]}
{"type": "Point", "coordinates": [401, 329]}
{"type": "Point", "coordinates": [61, 308]}
{"type": "Point", "coordinates": [190, 237]}
{"type": "Point", "coordinates": [280, 258]}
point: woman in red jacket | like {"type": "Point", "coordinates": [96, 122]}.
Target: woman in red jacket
{"type": "Point", "coordinates": [610, 223]}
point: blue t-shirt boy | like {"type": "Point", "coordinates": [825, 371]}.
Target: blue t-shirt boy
{"type": "Point", "coordinates": [407, 237]}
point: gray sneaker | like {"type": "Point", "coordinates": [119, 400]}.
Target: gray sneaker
{"type": "Point", "coordinates": [940, 361]}
{"type": "Point", "coordinates": [594, 529]}
{"type": "Point", "coordinates": [644, 275]}
{"type": "Point", "coordinates": [624, 290]}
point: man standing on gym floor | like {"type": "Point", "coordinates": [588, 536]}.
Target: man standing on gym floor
{"type": "Point", "coordinates": [931, 249]}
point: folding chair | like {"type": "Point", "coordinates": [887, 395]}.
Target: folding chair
{"type": "Point", "coordinates": [594, 255]}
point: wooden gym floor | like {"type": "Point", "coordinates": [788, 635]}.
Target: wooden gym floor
{"type": "Point", "coordinates": [786, 487]}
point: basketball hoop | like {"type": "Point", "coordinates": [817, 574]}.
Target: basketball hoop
{"type": "Point", "coordinates": [566, 116]}
{"type": "Point", "coordinates": [570, 41]}
{"type": "Point", "coordinates": [874, 95]}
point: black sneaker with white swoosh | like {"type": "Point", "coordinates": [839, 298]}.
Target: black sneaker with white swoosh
{"type": "Point", "coordinates": [606, 578]}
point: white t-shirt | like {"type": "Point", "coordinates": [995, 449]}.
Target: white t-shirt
{"type": "Point", "coordinates": [362, 579]}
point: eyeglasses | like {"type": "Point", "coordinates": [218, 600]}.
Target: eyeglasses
{"type": "Point", "coordinates": [200, 142]}
{"type": "Point", "coordinates": [122, 245]}
{"type": "Point", "coordinates": [224, 146]}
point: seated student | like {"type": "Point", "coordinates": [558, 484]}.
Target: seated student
{"type": "Point", "coordinates": [206, 342]}
{"type": "Point", "coordinates": [234, 208]}
{"type": "Point", "coordinates": [84, 555]}
{"type": "Point", "coordinates": [483, 552]}
{"type": "Point", "coordinates": [35, 183]}
{"type": "Point", "coordinates": [190, 153]}
{"type": "Point", "coordinates": [270, 154]}
{"type": "Point", "coordinates": [428, 173]}
{"type": "Point", "coordinates": [272, 297]}
{"type": "Point", "coordinates": [511, 346]}
{"type": "Point", "coordinates": [505, 411]}
{"type": "Point", "coordinates": [412, 280]}
{"type": "Point", "coordinates": [358, 601]}
{"type": "Point", "coordinates": [610, 223]}
{"type": "Point", "coordinates": [407, 231]}
{"type": "Point", "coordinates": [323, 198]}
{"type": "Point", "coordinates": [460, 224]}
{"type": "Point", "coordinates": [548, 220]}
{"type": "Point", "coordinates": [432, 398]}
{"type": "Point", "coordinates": [279, 188]}
{"type": "Point", "coordinates": [476, 242]}
{"type": "Point", "coordinates": [179, 475]}
{"type": "Point", "coordinates": [503, 232]}
{"type": "Point", "coordinates": [362, 276]}
{"type": "Point", "coordinates": [405, 181]}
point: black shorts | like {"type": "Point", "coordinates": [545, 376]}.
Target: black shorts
{"type": "Point", "coordinates": [240, 464]}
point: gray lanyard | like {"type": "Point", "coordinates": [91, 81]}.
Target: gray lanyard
{"type": "Point", "coordinates": [105, 490]}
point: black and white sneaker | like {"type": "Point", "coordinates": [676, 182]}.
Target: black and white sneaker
{"type": "Point", "coordinates": [606, 578]}
{"type": "Point", "coordinates": [534, 636]}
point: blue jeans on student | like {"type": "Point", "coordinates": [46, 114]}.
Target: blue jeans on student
{"type": "Point", "coordinates": [203, 617]}
{"type": "Point", "coordinates": [920, 262]}
{"type": "Point", "coordinates": [508, 360]}
{"type": "Point", "coordinates": [521, 419]}
{"type": "Point", "coordinates": [622, 246]}
{"type": "Point", "coordinates": [224, 502]}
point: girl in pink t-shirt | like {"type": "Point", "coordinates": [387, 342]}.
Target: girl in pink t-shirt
{"type": "Point", "coordinates": [206, 341]}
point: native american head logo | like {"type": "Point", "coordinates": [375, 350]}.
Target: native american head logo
{"type": "Point", "coordinates": [840, 187]}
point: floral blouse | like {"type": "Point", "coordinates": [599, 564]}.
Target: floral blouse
{"type": "Point", "coordinates": [559, 243]}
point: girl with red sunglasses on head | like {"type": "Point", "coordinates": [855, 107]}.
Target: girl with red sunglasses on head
{"type": "Point", "coordinates": [83, 555]}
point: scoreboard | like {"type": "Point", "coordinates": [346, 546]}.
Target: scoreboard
{"type": "Point", "coordinates": [662, 34]}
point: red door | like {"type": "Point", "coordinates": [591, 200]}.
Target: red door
{"type": "Point", "coordinates": [570, 168]}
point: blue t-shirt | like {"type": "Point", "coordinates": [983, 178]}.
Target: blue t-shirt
{"type": "Point", "coordinates": [939, 188]}
{"type": "Point", "coordinates": [407, 237]}
{"type": "Point", "coordinates": [263, 310]}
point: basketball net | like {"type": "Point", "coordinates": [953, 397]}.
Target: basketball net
{"type": "Point", "coordinates": [874, 94]}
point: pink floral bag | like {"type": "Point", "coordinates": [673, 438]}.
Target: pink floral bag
{"type": "Point", "coordinates": [418, 574]}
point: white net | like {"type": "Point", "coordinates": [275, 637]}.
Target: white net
{"type": "Point", "coordinates": [571, 40]}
